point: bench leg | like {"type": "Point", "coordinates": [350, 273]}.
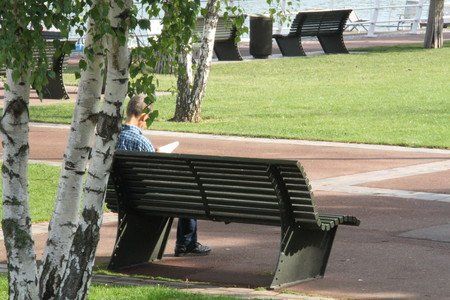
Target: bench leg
{"type": "Point", "coordinates": [55, 88]}
{"type": "Point", "coordinates": [333, 44]}
{"type": "Point", "coordinates": [139, 240]}
{"type": "Point", "coordinates": [290, 46]}
{"type": "Point", "coordinates": [304, 255]}
{"type": "Point", "coordinates": [227, 50]}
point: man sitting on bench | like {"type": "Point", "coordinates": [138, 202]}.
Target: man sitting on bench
{"type": "Point", "coordinates": [132, 139]}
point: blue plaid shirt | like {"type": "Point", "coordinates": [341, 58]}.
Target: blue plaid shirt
{"type": "Point", "coordinates": [132, 139]}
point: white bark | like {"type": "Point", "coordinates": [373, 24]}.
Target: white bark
{"type": "Point", "coordinates": [434, 36]}
{"type": "Point", "coordinates": [78, 272]}
{"type": "Point", "coordinates": [16, 222]}
{"type": "Point", "coordinates": [65, 217]}
{"type": "Point", "coordinates": [184, 85]}
{"type": "Point", "coordinates": [189, 108]}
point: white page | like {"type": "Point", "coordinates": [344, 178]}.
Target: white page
{"type": "Point", "coordinates": [169, 147]}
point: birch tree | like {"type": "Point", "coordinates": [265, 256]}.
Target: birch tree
{"type": "Point", "coordinates": [434, 35]}
{"type": "Point", "coordinates": [16, 222]}
{"type": "Point", "coordinates": [22, 52]}
{"type": "Point", "coordinates": [65, 216]}
{"type": "Point", "coordinates": [78, 271]}
{"type": "Point", "coordinates": [191, 90]}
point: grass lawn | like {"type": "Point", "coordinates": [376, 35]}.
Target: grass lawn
{"type": "Point", "coordinates": [43, 181]}
{"type": "Point", "coordinates": [104, 292]}
{"type": "Point", "coordinates": [389, 95]}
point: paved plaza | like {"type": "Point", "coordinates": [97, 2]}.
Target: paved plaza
{"type": "Point", "coordinates": [402, 196]}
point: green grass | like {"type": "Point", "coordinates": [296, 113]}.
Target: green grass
{"type": "Point", "coordinates": [104, 292]}
{"type": "Point", "coordinates": [43, 182]}
{"type": "Point", "coordinates": [386, 95]}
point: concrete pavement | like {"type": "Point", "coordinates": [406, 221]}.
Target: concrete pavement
{"type": "Point", "coordinates": [401, 249]}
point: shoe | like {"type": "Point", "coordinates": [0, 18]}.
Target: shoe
{"type": "Point", "coordinates": [197, 250]}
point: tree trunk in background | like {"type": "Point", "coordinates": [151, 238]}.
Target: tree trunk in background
{"type": "Point", "coordinates": [65, 217]}
{"type": "Point", "coordinates": [189, 108]}
{"type": "Point", "coordinates": [184, 85]}
{"type": "Point", "coordinates": [16, 222]}
{"type": "Point", "coordinates": [78, 272]}
{"type": "Point", "coordinates": [434, 36]}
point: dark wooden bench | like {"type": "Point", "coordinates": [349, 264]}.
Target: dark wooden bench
{"type": "Point", "coordinates": [55, 88]}
{"type": "Point", "coordinates": [149, 189]}
{"type": "Point", "coordinates": [225, 45]}
{"type": "Point", "coordinates": [326, 25]}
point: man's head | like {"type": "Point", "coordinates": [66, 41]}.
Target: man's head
{"type": "Point", "coordinates": [135, 111]}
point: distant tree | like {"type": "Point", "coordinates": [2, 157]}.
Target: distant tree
{"type": "Point", "coordinates": [192, 78]}
{"type": "Point", "coordinates": [434, 36]}
{"type": "Point", "coordinates": [191, 89]}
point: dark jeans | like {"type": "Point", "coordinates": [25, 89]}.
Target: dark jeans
{"type": "Point", "coordinates": [187, 232]}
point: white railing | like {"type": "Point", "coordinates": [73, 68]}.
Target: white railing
{"type": "Point", "coordinates": [375, 16]}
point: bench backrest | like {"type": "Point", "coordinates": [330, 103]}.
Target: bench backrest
{"type": "Point", "coordinates": [321, 22]}
{"type": "Point", "coordinates": [224, 31]}
{"type": "Point", "coordinates": [49, 48]}
{"type": "Point", "coordinates": [257, 191]}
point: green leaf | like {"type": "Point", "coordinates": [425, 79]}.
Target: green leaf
{"type": "Point", "coordinates": [144, 23]}
{"type": "Point", "coordinates": [152, 116]}
{"type": "Point", "coordinates": [82, 64]}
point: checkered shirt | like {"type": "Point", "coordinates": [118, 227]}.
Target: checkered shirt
{"type": "Point", "coordinates": [132, 139]}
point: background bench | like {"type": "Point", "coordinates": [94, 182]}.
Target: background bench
{"type": "Point", "coordinates": [55, 88]}
{"type": "Point", "coordinates": [225, 45]}
{"type": "Point", "coordinates": [149, 189]}
{"type": "Point", "coordinates": [326, 25]}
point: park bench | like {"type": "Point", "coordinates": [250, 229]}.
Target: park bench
{"type": "Point", "coordinates": [55, 88]}
{"type": "Point", "coordinates": [326, 25]}
{"type": "Point", "coordinates": [149, 189]}
{"type": "Point", "coordinates": [225, 45]}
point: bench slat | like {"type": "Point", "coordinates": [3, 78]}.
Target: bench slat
{"type": "Point", "coordinates": [250, 197]}
{"type": "Point", "coordinates": [242, 202]}
{"type": "Point", "coordinates": [234, 175]}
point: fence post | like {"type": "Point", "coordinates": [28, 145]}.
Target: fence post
{"type": "Point", "coordinates": [416, 23]}
{"type": "Point", "coordinates": [374, 19]}
{"type": "Point", "coordinates": [283, 10]}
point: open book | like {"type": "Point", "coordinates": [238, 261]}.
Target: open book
{"type": "Point", "coordinates": [169, 147]}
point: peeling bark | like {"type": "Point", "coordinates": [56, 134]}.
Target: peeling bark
{"type": "Point", "coordinates": [189, 100]}
{"type": "Point", "coordinates": [16, 222]}
{"type": "Point", "coordinates": [78, 272]}
{"type": "Point", "coordinates": [434, 36]}
{"type": "Point", "coordinates": [65, 217]}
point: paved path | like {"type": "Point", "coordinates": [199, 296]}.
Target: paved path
{"type": "Point", "coordinates": [401, 249]}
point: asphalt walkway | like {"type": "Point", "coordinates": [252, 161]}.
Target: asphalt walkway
{"type": "Point", "coordinates": [401, 195]}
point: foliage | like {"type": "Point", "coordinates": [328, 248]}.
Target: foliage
{"type": "Point", "coordinates": [22, 46]}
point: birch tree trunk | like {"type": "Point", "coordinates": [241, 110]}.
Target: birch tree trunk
{"type": "Point", "coordinates": [16, 222]}
{"type": "Point", "coordinates": [78, 271]}
{"type": "Point", "coordinates": [65, 216]}
{"type": "Point", "coordinates": [189, 108]}
{"type": "Point", "coordinates": [434, 36]}
{"type": "Point", "coordinates": [184, 85]}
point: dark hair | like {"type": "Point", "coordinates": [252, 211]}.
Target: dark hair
{"type": "Point", "coordinates": [136, 106]}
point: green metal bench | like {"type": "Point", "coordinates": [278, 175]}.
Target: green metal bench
{"type": "Point", "coordinates": [149, 189]}
{"type": "Point", "coordinates": [327, 25]}
{"type": "Point", "coordinates": [225, 45]}
{"type": "Point", "coordinates": [55, 88]}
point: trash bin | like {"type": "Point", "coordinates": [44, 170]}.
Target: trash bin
{"type": "Point", "coordinates": [261, 36]}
